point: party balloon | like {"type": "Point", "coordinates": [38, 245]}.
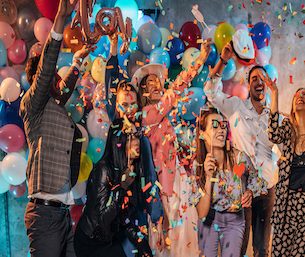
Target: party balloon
{"type": "Point", "coordinates": [133, 44]}
{"type": "Point", "coordinates": [173, 72]}
{"type": "Point", "coordinates": [98, 124]}
{"type": "Point", "coordinates": [166, 35]}
{"type": "Point", "coordinates": [85, 137]}
{"type": "Point", "coordinates": [209, 33]}
{"type": "Point", "coordinates": [261, 34]}
{"type": "Point", "coordinates": [76, 213]}
{"type": "Point", "coordinates": [149, 37]}
{"type": "Point", "coordinates": [4, 186]}
{"type": "Point", "coordinates": [85, 168]}
{"type": "Point", "coordinates": [75, 107]}
{"type": "Point", "coordinates": [144, 19]}
{"type": "Point", "coordinates": [47, 8]}
{"type": "Point", "coordinates": [8, 11]}
{"type": "Point", "coordinates": [86, 65]}
{"type": "Point", "coordinates": [18, 191]}
{"type": "Point", "coordinates": [79, 190]}
{"type": "Point", "coordinates": [96, 149]}
{"type": "Point", "coordinates": [160, 56]}
{"type": "Point", "coordinates": [194, 99]}
{"type": "Point", "coordinates": [3, 54]}
{"type": "Point", "coordinates": [73, 38]}
{"type": "Point", "coordinates": [9, 113]}
{"type": "Point", "coordinates": [272, 72]}
{"type": "Point", "coordinates": [42, 29]}
{"type": "Point", "coordinates": [26, 22]}
{"type": "Point", "coordinates": [190, 34]}
{"type": "Point", "coordinates": [7, 34]}
{"type": "Point", "coordinates": [14, 168]}
{"type": "Point", "coordinates": [241, 26]}
{"type": "Point", "coordinates": [201, 78]}
{"type": "Point", "coordinates": [129, 9]}
{"type": "Point", "coordinates": [263, 55]}
{"type": "Point", "coordinates": [223, 35]}
{"type": "Point", "coordinates": [212, 58]}
{"type": "Point", "coordinates": [11, 138]}
{"type": "Point", "coordinates": [64, 59]}
{"type": "Point", "coordinates": [24, 81]}
{"type": "Point", "coordinates": [9, 90]}
{"type": "Point", "coordinates": [229, 71]}
{"type": "Point", "coordinates": [9, 72]}
{"type": "Point", "coordinates": [86, 89]}
{"type": "Point", "coordinates": [136, 60]}
{"type": "Point", "coordinates": [36, 50]}
{"type": "Point", "coordinates": [236, 89]}
{"type": "Point", "coordinates": [17, 52]}
{"type": "Point", "coordinates": [98, 70]}
{"type": "Point", "coordinates": [175, 48]}
{"type": "Point", "coordinates": [102, 47]}
{"type": "Point", "coordinates": [189, 58]}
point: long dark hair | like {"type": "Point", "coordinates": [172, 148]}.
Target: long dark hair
{"type": "Point", "coordinates": [201, 151]}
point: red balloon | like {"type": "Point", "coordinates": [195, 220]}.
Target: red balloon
{"type": "Point", "coordinates": [11, 138]}
{"type": "Point", "coordinates": [17, 52]}
{"type": "Point", "coordinates": [48, 8]}
{"type": "Point", "coordinates": [189, 34]}
{"type": "Point", "coordinates": [76, 213]}
{"type": "Point", "coordinates": [18, 191]}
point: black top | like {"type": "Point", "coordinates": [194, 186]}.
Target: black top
{"type": "Point", "coordinates": [297, 174]}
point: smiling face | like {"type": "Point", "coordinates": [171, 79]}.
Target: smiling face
{"type": "Point", "coordinates": [216, 130]}
{"type": "Point", "coordinates": [126, 104]}
{"type": "Point", "coordinates": [298, 103]}
{"type": "Point", "coordinates": [257, 85]}
{"type": "Point", "coordinates": [154, 88]}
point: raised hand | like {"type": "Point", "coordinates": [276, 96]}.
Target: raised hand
{"type": "Point", "coordinates": [205, 49]}
{"type": "Point", "coordinates": [227, 52]}
{"type": "Point", "coordinates": [210, 165]}
{"type": "Point", "coordinates": [84, 51]}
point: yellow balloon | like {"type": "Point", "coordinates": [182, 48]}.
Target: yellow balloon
{"type": "Point", "coordinates": [223, 35]}
{"type": "Point", "coordinates": [86, 166]}
{"type": "Point", "coordinates": [98, 70]}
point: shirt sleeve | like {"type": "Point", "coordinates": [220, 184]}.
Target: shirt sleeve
{"type": "Point", "coordinates": [276, 132]}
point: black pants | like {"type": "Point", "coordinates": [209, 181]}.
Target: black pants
{"type": "Point", "coordinates": [259, 217]}
{"type": "Point", "coordinates": [49, 230]}
{"type": "Point", "coordinates": [89, 247]}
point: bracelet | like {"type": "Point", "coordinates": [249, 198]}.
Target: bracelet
{"type": "Point", "coordinates": [223, 61]}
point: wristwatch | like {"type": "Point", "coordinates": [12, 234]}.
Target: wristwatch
{"type": "Point", "coordinates": [223, 61]}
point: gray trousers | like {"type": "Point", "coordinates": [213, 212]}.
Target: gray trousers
{"type": "Point", "coordinates": [49, 230]}
{"type": "Point", "coordinates": [227, 230]}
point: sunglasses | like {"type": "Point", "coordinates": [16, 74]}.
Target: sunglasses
{"type": "Point", "coordinates": [222, 124]}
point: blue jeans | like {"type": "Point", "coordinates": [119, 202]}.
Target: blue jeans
{"type": "Point", "coordinates": [227, 230]}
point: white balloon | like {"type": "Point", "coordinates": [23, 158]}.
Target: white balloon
{"type": "Point", "coordinates": [165, 34]}
{"type": "Point", "coordinates": [14, 168]}
{"type": "Point", "coordinates": [189, 57]}
{"type": "Point", "coordinates": [4, 186]}
{"type": "Point", "coordinates": [10, 90]}
{"type": "Point", "coordinates": [98, 124]}
{"type": "Point", "coordinates": [209, 33]}
{"type": "Point", "coordinates": [85, 137]}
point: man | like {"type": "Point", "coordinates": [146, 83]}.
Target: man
{"type": "Point", "coordinates": [54, 147]}
{"type": "Point", "coordinates": [249, 123]}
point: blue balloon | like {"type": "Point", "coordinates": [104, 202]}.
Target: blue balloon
{"type": "Point", "coordinates": [24, 81]}
{"type": "Point", "coordinates": [261, 34]}
{"type": "Point", "coordinates": [96, 149]}
{"type": "Point", "coordinates": [212, 58]}
{"type": "Point", "coordinates": [229, 71]}
{"type": "Point", "coordinates": [133, 44]}
{"type": "Point", "coordinates": [75, 107]}
{"type": "Point", "coordinates": [176, 48]}
{"type": "Point", "coordinates": [201, 78]}
{"type": "Point", "coordinates": [197, 100]}
{"type": "Point", "coordinates": [9, 113]}
{"type": "Point", "coordinates": [144, 19]}
{"type": "Point", "coordinates": [159, 55]}
{"type": "Point", "coordinates": [103, 47]}
{"type": "Point", "coordinates": [149, 37]}
{"type": "Point", "coordinates": [64, 59]}
{"type": "Point", "coordinates": [272, 72]}
{"type": "Point", "coordinates": [3, 54]}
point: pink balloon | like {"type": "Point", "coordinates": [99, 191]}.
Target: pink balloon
{"type": "Point", "coordinates": [17, 52]}
{"type": "Point", "coordinates": [18, 191]}
{"type": "Point", "coordinates": [11, 138]}
{"type": "Point", "coordinates": [236, 89]}
{"type": "Point", "coordinates": [42, 29]}
{"type": "Point", "coordinates": [7, 34]}
{"type": "Point", "coordinates": [9, 72]}
{"type": "Point", "coordinates": [36, 49]}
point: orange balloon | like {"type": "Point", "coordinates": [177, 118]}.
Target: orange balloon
{"type": "Point", "coordinates": [73, 38]}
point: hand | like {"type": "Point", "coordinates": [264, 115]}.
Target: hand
{"type": "Point", "coordinates": [210, 165]}
{"type": "Point", "coordinates": [160, 237]}
{"type": "Point", "coordinates": [66, 7]}
{"type": "Point", "coordinates": [227, 52]}
{"type": "Point", "coordinates": [268, 82]}
{"type": "Point", "coordinates": [246, 200]}
{"type": "Point", "coordinates": [84, 52]}
{"type": "Point", "coordinates": [205, 49]}
{"type": "Point", "coordinates": [126, 179]}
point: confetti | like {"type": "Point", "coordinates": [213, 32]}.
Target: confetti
{"type": "Point", "coordinates": [293, 61]}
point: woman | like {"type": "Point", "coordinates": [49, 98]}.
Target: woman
{"type": "Point", "coordinates": [289, 209]}
{"type": "Point", "coordinates": [228, 182]}
{"type": "Point", "coordinates": [114, 200]}
{"type": "Point", "coordinates": [176, 186]}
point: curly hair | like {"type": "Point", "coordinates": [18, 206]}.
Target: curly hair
{"type": "Point", "coordinates": [31, 68]}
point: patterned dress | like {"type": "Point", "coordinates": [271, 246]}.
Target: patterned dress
{"type": "Point", "coordinates": [288, 218]}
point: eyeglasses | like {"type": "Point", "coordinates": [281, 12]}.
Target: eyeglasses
{"type": "Point", "coordinates": [222, 124]}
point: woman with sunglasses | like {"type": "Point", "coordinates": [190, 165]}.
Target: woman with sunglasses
{"type": "Point", "coordinates": [228, 182]}
{"type": "Point", "coordinates": [289, 209]}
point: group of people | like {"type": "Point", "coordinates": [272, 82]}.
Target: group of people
{"type": "Point", "coordinates": [151, 194]}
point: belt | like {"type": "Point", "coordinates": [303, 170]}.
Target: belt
{"type": "Point", "coordinates": [48, 203]}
